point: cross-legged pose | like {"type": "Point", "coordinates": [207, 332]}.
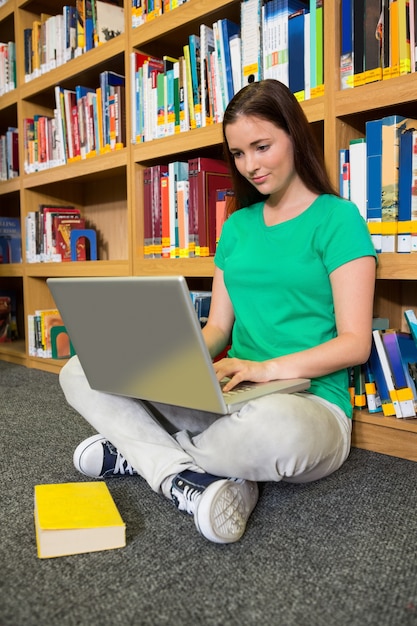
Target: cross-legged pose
{"type": "Point", "coordinates": [292, 296]}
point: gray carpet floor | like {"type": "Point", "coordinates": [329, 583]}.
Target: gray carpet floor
{"type": "Point", "coordinates": [341, 551]}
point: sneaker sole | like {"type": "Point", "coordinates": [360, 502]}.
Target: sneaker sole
{"type": "Point", "coordinates": [224, 510]}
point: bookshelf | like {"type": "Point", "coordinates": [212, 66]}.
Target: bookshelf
{"type": "Point", "coordinates": [108, 188]}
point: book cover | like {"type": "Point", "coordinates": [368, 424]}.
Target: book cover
{"type": "Point", "coordinates": [296, 74]}
{"type": "Point", "coordinates": [148, 245]}
{"type": "Point", "coordinates": [388, 376]}
{"type": "Point", "coordinates": [358, 42]}
{"type": "Point", "coordinates": [108, 80]}
{"type": "Point", "coordinates": [62, 225]}
{"type": "Point", "coordinates": [206, 49]}
{"type": "Point", "coordinates": [74, 518]}
{"type": "Point", "coordinates": [404, 392]}
{"type": "Point", "coordinates": [404, 51]}
{"type": "Point", "coordinates": [411, 320]}
{"type": "Point", "coordinates": [405, 190]}
{"type": "Point", "coordinates": [10, 240]}
{"type": "Point", "coordinates": [392, 128]}
{"type": "Point", "coordinates": [250, 12]}
{"type": "Point", "coordinates": [346, 56]}
{"type": "Point", "coordinates": [177, 170]}
{"type": "Point", "coordinates": [5, 319]}
{"type": "Point", "coordinates": [206, 175]}
{"type": "Point", "coordinates": [227, 30]}
{"type": "Point", "coordinates": [372, 43]}
{"type": "Point", "coordinates": [358, 177]}
{"type": "Point", "coordinates": [194, 43]}
{"type": "Point", "coordinates": [157, 172]}
{"type": "Point", "coordinates": [182, 192]}
{"type": "Point", "coordinates": [110, 21]}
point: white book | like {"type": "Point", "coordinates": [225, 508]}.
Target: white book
{"type": "Point", "coordinates": [251, 40]}
{"type": "Point", "coordinates": [358, 166]}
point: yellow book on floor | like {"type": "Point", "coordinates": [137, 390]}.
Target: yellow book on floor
{"type": "Point", "coordinates": [73, 518]}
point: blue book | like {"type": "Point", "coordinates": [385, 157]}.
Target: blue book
{"type": "Point", "coordinates": [346, 44]}
{"type": "Point", "coordinates": [10, 240]}
{"type": "Point", "coordinates": [296, 49]}
{"type": "Point", "coordinates": [404, 391]}
{"type": "Point", "coordinates": [108, 80]}
{"type": "Point", "coordinates": [411, 320]}
{"type": "Point", "coordinates": [227, 30]}
{"type": "Point", "coordinates": [381, 384]}
{"type": "Point", "coordinates": [374, 170]}
{"type": "Point", "coordinates": [405, 176]}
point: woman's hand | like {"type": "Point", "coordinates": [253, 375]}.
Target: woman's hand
{"type": "Point", "coordinates": [239, 370]}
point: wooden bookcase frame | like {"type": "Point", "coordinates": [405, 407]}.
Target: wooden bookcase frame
{"type": "Point", "coordinates": [108, 188]}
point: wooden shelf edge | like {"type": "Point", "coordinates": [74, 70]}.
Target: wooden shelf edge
{"type": "Point", "coordinates": [385, 435]}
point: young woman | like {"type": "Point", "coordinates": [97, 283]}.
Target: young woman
{"type": "Point", "coordinates": [293, 288]}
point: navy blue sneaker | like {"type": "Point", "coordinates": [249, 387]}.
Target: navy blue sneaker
{"type": "Point", "coordinates": [221, 506]}
{"type": "Point", "coordinates": [98, 458]}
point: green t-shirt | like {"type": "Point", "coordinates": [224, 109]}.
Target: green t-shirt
{"type": "Point", "coordinates": [278, 280]}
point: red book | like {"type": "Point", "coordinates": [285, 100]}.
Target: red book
{"type": "Point", "coordinates": [63, 227]}
{"type": "Point", "coordinates": [157, 172]}
{"type": "Point", "coordinates": [206, 176]}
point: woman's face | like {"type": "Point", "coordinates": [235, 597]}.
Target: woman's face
{"type": "Point", "coordinates": [262, 153]}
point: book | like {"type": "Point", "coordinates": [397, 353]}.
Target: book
{"type": "Point", "coordinates": [62, 225]}
{"type": "Point", "coordinates": [372, 44]}
{"type": "Point", "coordinates": [5, 319]}
{"type": "Point", "coordinates": [358, 42]}
{"type": "Point", "coordinates": [206, 175]}
{"type": "Point", "coordinates": [411, 320]}
{"type": "Point", "coordinates": [358, 177]}
{"type": "Point", "coordinates": [206, 50]}
{"type": "Point", "coordinates": [381, 385]}
{"type": "Point", "coordinates": [404, 392]}
{"type": "Point", "coordinates": [74, 518]}
{"type": "Point", "coordinates": [227, 30]}
{"type": "Point", "coordinates": [10, 240]}
{"type": "Point", "coordinates": [346, 56]}
{"type": "Point", "coordinates": [177, 171]}
{"type": "Point", "coordinates": [250, 12]}
{"type": "Point", "coordinates": [387, 373]}
{"type": "Point", "coordinates": [296, 54]}
{"type": "Point", "coordinates": [392, 128]}
{"type": "Point", "coordinates": [110, 21]}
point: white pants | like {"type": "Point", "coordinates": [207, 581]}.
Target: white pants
{"type": "Point", "coordinates": [291, 437]}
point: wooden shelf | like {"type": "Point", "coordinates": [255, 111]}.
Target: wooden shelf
{"type": "Point", "coordinates": [386, 435]}
{"type": "Point", "coordinates": [108, 188]}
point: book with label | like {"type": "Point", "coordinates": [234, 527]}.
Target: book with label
{"type": "Point", "coordinates": [74, 518]}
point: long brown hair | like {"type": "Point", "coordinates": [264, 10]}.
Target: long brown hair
{"type": "Point", "coordinates": [271, 100]}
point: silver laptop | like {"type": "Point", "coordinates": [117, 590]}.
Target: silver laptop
{"type": "Point", "coordinates": [140, 337]}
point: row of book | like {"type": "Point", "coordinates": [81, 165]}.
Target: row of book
{"type": "Point", "coordinates": [7, 67]}
{"type": "Point", "coordinates": [379, 173]}
{"type": "Point", "coordinates": [86, 122]}
{"type": "Point", "coordinates": [48, 337]}
{"type": "Point", "coordinates": [185, 205]}
{"type": "Point", "coordinates": [9, 154]}
{"type": "Point", "coordinates": [146, 10]}
{"type": "Point", "coordinates": [48, 234]}
{"type": "Point", "coordinates": [387, 383]}
{"type": "Point", "coordinates": [53, 40]}
{"type": "Point", "coordinates": [378, 40]}
{"type": "Point", "coordinates": [282, 40]}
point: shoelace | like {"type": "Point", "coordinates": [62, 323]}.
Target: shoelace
{"type": "Point", "coordinates": [122, 466]}
{"type": "Point", "coordinates": [190, 497]}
